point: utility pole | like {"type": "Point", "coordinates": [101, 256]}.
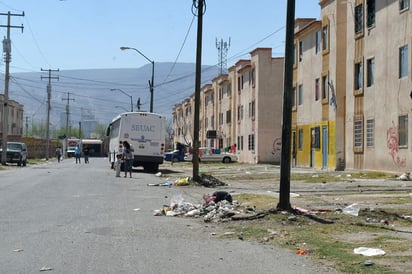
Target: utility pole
{"type": "Point", "coordinates": [7, 60]}
{"type": "Point", "coordinates": [48, 107]}
{"type": "Point", "coordinates": [200, 10]}
{"type": "Point", "coordinates": [284, 187]}
{"type": "Point", "coordinates": [67, 119]}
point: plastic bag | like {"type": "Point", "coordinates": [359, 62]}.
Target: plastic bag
{"type": "Point", "coordinates": [352, 209]}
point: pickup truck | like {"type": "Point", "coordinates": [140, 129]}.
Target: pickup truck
{"type": "Point", "coordinates": [16, 153]}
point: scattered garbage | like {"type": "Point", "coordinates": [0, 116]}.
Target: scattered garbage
{"type": "Point", "coordinates": [208, 181]}
{"type": "Point", "coordinates": [159, 174]}
{"type": "Point", "coordinates": [182, 182]}
{"type": "Point", "coordinates": [369, 263]}
{"type": "Point", "coordinates": [352, 209]}
{"type": "Point", "coordinates": [177, 182]}
{"type": "Point", "coordinates": [44, 268]}
{"type": "Point", "coordinates": [366, 251]}
{"type": "Point", "coordinates": [302, 251]}
{"type": "Point", "coordinates": [405, 176]}
{"type": "Point", "coordinates": [272, 232]}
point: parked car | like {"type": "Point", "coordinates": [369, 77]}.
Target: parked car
{"type": "Point", "coordinates": [175, 156]}
{"type": "Point", "coordinates": [213, 155]}
{"type": "Point", "coordinates": [16, 153]}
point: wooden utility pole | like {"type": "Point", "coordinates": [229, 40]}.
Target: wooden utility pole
{"type": "Point", "coordinates": [48, 108]}
{"type": "Point", "coordinates": [284, 188]}
{"type": "Point", "coordinates": [196, 126]}
{"type": "Point", "coordinates": [7, 60]}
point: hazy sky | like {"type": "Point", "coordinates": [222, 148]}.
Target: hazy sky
{"type": "Point", "coordinates": [87, 34]}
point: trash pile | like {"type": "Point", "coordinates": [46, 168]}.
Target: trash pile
{"type": "Point", "coordinates": [178, 182]}
{"type": "Point", "coordinates": [217, 207]}
{"type": "Point", "coordinates": [208, 181]}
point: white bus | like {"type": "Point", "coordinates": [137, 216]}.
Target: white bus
{"type": "Point", "coordinates": [145, 131]}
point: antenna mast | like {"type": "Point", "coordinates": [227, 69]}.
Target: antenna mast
{"type": "Point", "coordinates": [223, 48]}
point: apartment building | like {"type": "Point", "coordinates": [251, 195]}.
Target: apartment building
{"type": "Point", "coordinates": [379, 98]}
{"type": "Point", "coordinates": [241, 111]}
{"type": "Point", "coordinates": [15, 117]}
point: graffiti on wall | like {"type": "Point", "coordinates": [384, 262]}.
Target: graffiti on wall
{"type": "Point", "coordinates": [392, 142]}
{"type": "Point", "coordinates": [277, 148]}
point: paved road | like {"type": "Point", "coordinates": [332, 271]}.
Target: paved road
{"type": "Point", "coordinates": [77, 218]}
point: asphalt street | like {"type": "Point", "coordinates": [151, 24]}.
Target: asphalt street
{"type": "Point", "coordinates": [79, 218]}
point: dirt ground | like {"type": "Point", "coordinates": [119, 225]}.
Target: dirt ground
{"type": "Point", "coordinates": [372, 195]}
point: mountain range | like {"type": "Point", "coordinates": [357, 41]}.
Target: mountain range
{"type": "Point", "coordinates": [101, 94]}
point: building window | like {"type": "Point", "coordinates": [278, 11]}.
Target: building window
{"type": "Point", "coordinates": [403, 131]}
{"type": "Point", "coordinates": [300, 139]}
{"type": "Point", "coordinates": [403, 5]}
{"type": "Point", "coordinates": [370, 133]}
{"type": "Point", "coordinates": [220, 119]}
{"type": "Point", "coordinates": [240, 142]}
{"type": "Point", "coordinates": [316, 137]}
{"type": "Point", "coordinates": [357, 134]}
{"type": "Point", "coordinates": [370, 74]}
{"type": "Point", "coordinates": [228, 116]}
{"type": "Point", "coordinates": [325, 38]}
{"type": "Point", "coordinates": [317, 89]}
{"type": "Point", "coordinates": [325, 85]}
{"type": "Point", "coordinates": [318, 41]}
{"type": "Point", "coordinates": [300, 51]}
{"type": "Point", "coordinates": [300, 95]}
{"type": "Point", "coordinates": [252, 109]}
{"type": "Point", "coordinates": [359, 19]}
{"type": "Point", "coordinates": [251, 142]}
{"type": "Point", "coordinates": [370, 13]}
{"type": "Point", "coordinates": [358, 76]}
{"type": "Point", "coordinates": [403, 61]}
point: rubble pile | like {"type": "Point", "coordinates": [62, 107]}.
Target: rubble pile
{"type": "Point", "coordinates": [221, 211]}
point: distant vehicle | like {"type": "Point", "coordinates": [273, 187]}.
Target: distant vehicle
{"type": "Point", "coordinates": [16, 153]}
{"type": "Point", "coordinates": [174, 156]}
{"type": "Point", "coordinates": [71, 146]}
{"type": "Point", "coordinates": [211, 155]}
{"type": "Point", "coordinates": [177, 155]}
{"type": "Point", "coordinates": [145, 131]}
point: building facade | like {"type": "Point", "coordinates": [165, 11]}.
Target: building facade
{"type": "Point", "coordinates": [240, 111]}
{"type": "Point", "coordinates": [15, 117]}
{"type": "Point", "coordinates": [352, 93]}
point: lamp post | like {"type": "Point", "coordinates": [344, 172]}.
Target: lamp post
{"type": "Point", "coordinates": [131, 97]}
{"type": "Point", "coordinates": [151, 83]}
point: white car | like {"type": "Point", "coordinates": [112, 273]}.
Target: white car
{"type": "Point", "coordinates": [209, 155]}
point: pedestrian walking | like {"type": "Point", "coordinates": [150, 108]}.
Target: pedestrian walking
{"type": "Point", "coordinates": [77, 154]}
{"type": "Point", "coordinates": [58, 154]}
{"type": "Point", "coordinates": [128, 156]}
{"type": "Point", "coordinates": [86, 154]}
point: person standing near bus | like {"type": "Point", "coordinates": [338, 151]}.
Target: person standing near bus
{"type": "Point", "coordinates": [128, 156]}
{"type": "Point", "coordinates": [77, 153]}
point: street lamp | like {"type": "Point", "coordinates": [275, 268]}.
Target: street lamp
{"type": "Point", "coordinates": [131, 97]}
{"type": "Point", "coordinates": [151, 83]}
